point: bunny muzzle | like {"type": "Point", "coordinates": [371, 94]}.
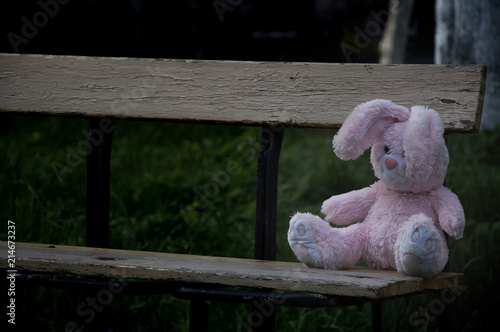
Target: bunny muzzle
{"type": "Point", "coordinates": [392, 170]}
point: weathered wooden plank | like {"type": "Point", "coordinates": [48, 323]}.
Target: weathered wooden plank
{"type": "Point", "coordinates": [300, 94]}
{"type": "Point", "coordinates": [286, 276]}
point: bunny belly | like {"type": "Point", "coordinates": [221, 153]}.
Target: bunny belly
{"type": "Point", "coordinates": [387, 216]}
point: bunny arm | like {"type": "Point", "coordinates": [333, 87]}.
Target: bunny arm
{"type": "Point", "coordinates": [450, 212]}
{"type": "Point", "coordinates": [345, 209]}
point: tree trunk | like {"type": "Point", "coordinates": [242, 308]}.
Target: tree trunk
{"type": "Point", "coordinates": [393, 45]}
{"type": "Point", "coordinates": [467, 32]}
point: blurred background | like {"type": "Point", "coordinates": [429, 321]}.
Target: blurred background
{"type": "Point", "coordinates": [161, 171]}
{"type": "Point", "coordinates": [230, 30]}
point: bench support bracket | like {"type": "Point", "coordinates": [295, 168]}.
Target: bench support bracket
{"type": "Point", "coordinates": [98, 174]}
{"type": "Point", "coordinates": [271, 139]}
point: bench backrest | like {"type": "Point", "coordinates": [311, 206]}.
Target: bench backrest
{"type": "Point", "coordinates": [232, 92]}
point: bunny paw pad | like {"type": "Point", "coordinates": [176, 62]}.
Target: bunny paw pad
{"type": "Point", "coordinates": [302, 237]}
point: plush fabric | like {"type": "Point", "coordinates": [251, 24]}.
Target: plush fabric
{"type": "Point", "coordinates": [398, 222]}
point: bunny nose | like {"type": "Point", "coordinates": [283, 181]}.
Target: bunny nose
{"type": "Point", "coordinates": [390, 163]}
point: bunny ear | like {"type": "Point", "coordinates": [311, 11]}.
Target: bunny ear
{"type": "Point", "coordinates": [424, 144]}
{"type": "Point", "coordinates": [367, 122]}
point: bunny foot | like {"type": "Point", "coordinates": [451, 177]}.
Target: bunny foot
{"type": "Point", "coordinates": [417, 252]}
{"type": "Point", "coordinates": [303, 235]}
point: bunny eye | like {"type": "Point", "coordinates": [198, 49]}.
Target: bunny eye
{"type": "Point", "coordinates": [386, 149]}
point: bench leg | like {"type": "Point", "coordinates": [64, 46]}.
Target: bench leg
{"type": "Point", "coordinates": [444, 319]}
{"type": "Point", "coordinates": [264, 313]}
{"type": "Point", "coordinates": [26, 310]}
{"type": "Point", "coordinates": [377, 316]}
{"type": "Point", "coordinates": [198, 316]}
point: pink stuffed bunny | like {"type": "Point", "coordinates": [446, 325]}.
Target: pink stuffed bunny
{"type": "Point", "coordinates": [404, 214]}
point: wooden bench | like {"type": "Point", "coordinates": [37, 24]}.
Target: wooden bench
{"type": "Point", "coordinates": [271, 95]}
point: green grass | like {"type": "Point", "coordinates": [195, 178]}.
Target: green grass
{"type": "Point", "coordinates": [191, 189]}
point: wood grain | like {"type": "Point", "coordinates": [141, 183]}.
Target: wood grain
{"type": "Point", "coordinates": [287, 276]}
{"type": "Point", "coordinates": [242, 93]}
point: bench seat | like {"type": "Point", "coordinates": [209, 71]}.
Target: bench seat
{"type": "Point", "coordinates": [222, 271]}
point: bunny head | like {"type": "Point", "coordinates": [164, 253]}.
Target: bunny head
{"type": "Point", "coordinates": [408, 149]}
